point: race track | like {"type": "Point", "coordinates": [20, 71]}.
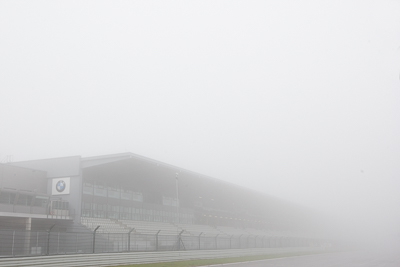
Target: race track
{"type": "Point", "coordinates": [343, 259]}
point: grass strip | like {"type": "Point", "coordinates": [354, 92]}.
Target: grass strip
{"type": "Point", "coordinates": [202, 262]}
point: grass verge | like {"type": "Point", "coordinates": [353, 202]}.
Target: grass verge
{"type": "Point", "coordinates": [202, 262]}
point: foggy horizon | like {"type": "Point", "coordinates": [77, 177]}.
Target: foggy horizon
{"type": "Point", "coordinates": [297, 100]}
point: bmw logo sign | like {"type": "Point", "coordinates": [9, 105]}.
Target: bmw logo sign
{"type": "Point", "coordinates": [60, 186]}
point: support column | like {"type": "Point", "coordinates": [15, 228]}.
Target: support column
{"type": "Point", "coordinates": [27, 239]}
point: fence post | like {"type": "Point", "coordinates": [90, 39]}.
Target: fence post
{"type": "Point", "coordinates": [263, 241]}
{"type": "Point", "coordinates": [129, 239]}
{"type": "Point", "coordinates": [199, 239]}
{"type": "Point", "coordinates": [12, 248]}
{"type": "Point", "coordinates": [255, 241]}
{"type": "Point", "coordinates": [48, 239]}
{"type": "Point", "coordinates": [216, 244]}
{"type": "Point", "coordinates": [157, 239]}
{"type": "Point", "coordinates": [230, 241]}
{"type": "Point", "coordinates": [58, 243]}
{"type": "Point", "coordinates": [108, 247]}
{"type": "Point", "coordinates": [94, 237]}
{"type": "Point", "coordinates": [240, 242]}
{"type": "Point", "coordinates": [179, 240]}
{"type": "Point", "coordinates": [247, 245]}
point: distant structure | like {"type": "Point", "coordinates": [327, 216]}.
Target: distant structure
{"type": "Point", "coordinates": [131, 194]}
{"type": "Point", "coordinates": [7, 159]}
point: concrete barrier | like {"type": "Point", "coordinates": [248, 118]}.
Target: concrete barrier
{"type": "Point", "coordinates": [114, 259]}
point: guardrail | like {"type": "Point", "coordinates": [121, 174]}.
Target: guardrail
{"type": "Point", "coordinates": [114, 259]}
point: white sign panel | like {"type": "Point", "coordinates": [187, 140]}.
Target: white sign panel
{"type": "Point", "coordinates": [60, 186]}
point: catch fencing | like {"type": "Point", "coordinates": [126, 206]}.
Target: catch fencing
{"type": "Point", "coordinates": [16, 243]}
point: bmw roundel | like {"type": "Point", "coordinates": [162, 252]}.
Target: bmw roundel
{"type": "Point", "coordinates": [60, 186]}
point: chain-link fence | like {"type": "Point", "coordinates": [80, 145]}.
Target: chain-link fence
{"type": "Point", "coordinates": [24, 243]}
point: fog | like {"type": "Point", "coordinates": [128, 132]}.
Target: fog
{"type": "Point", "coordinates": [297, 99]}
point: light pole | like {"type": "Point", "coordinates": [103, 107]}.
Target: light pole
{"type": "Point", "coordinates": [177, 197]}
{"type": "Point", "coordinates": [178, 237]}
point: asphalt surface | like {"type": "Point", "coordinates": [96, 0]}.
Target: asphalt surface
{"type": "Point", "coordinates": [343, 259]}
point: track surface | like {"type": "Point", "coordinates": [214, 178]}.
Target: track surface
{"type": "Point", "coordinates": [344, 259]}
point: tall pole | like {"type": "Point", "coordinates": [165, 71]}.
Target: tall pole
{"type": "Point", "coordinates": [177, 212]}
{"type": "Point", "coordinates": [177, 196]}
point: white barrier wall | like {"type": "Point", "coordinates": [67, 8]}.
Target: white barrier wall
{"type": "Point", "coordinates": [114, 259]}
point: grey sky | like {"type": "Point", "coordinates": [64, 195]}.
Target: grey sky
{"type": "Point", "coordinates": [298, 99]}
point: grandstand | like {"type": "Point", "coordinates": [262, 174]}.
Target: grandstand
{"type": "Point", "coordinates": [125, 202]}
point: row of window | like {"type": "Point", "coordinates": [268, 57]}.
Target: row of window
{"type": "Point", "coordinates": [59, 205]}
{"type": "Point", "coordinates": [135, 217]}
{"type": "Point", "coordinates": [21, 199]}
{"type": "Point", "coordinates": [132, 210]}
{"type": "Point", "coordinates": [99, 189]}
{"type": "Point", "coordinates": [132, 213]}
{"type": "Point", "coordinates": [170, 201]}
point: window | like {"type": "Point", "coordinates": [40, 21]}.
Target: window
{"type": "Point", "coordinates": [126, 213]}
{"type": "Point", "coordinates": [113, 211]}
{"type": "Point", "coordinates": [88, 188]}
{"type": "Point", "coordinates": [169, 201]}
{"type": "Point", "coordinates": [113, 192]}
{"type": "Point", "coordinates": [100, 190]}
{"type": "Point", "coordinates": [137, 196]}
{"type": "Point", "coordinates": [24, 200]}
{"type": "Point", "coordinates": [87, 206]}
{"type": "Point", "coordinates": [40, 201]}
{"type": "Point", "coordinates": [99, 210]}
{"type": "Point", "coordinates": [59, 204]}
{"type": "Point", "coordinates": [126, 194]}
{"type": "Point", "coordinates": [65, 205]}
{"type": "Point", "coordinates": [86, 213]}
{"type": "Point", "coordinates": [125, 216]}
{"type": "Point", "coordinates": [7, 197]}
{"type": "Point", "coordinates": [126, 209]}
{"type": "Point", "coordinates": [86, 209]}
{"type": "Point", "coordinates": [136, 214]}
